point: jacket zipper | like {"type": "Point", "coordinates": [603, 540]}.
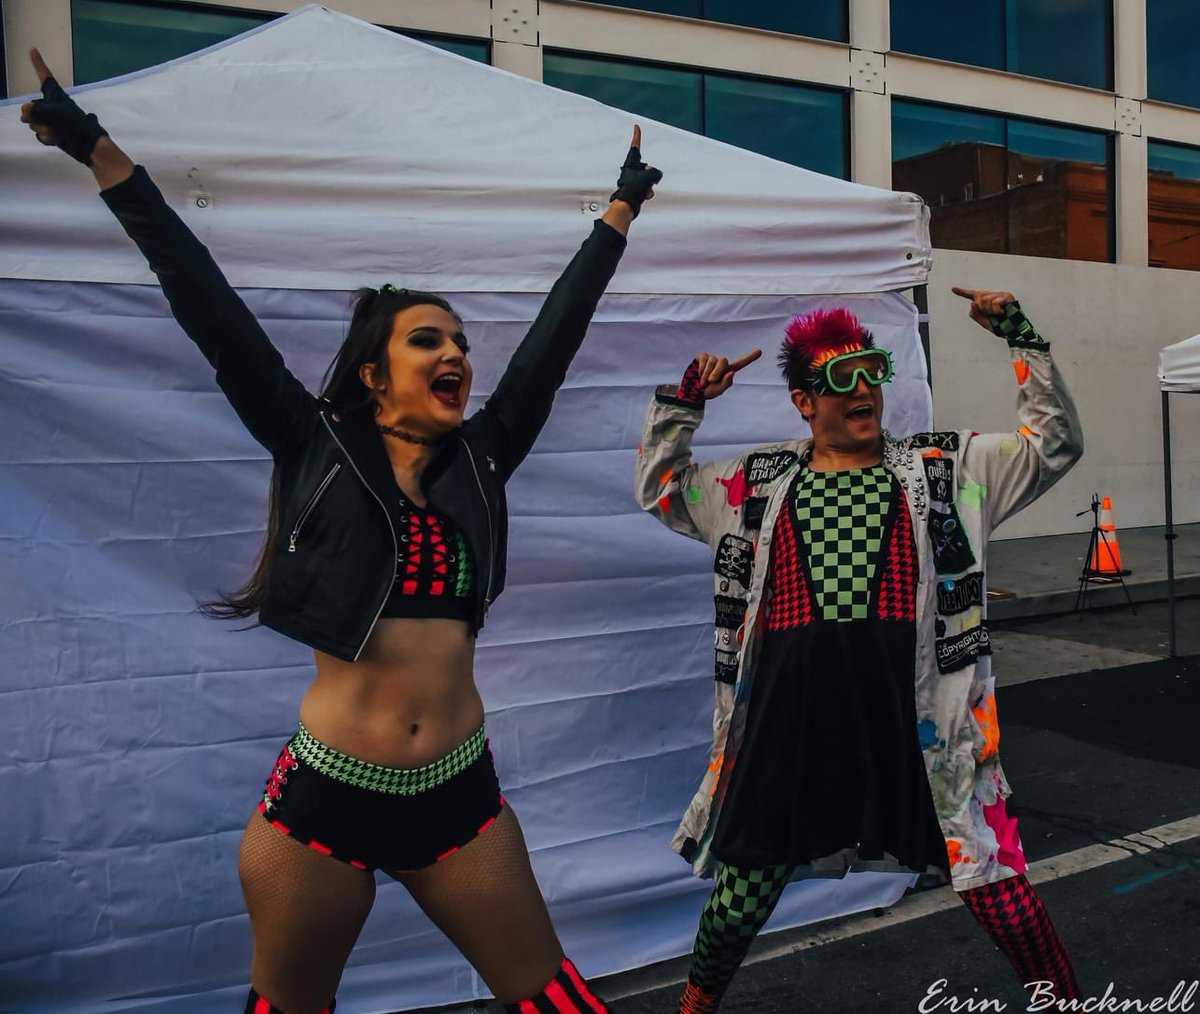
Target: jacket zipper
{"type": "Point", "coordinates": [308, 509]}
{"type": "Point", "coordinates": [391, 528]}
{"type": "Point", "coordinates": [487, 595]}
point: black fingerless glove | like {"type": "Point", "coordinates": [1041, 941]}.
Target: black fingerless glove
{"type": "Point", "coordinates": [1015, 328]}
{"type": "Point", "coordinates": [76, 130]}
{"type": "Point", "coordinates": [635, 181]}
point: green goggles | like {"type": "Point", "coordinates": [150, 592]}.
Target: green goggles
{"type": "Point", "coordinates": [840, 374]}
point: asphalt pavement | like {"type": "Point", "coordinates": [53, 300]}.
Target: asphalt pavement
{"type": "Point", "coordinates": [1096, 758]}
{"type": "Point", "coordinates": [1099, 741]}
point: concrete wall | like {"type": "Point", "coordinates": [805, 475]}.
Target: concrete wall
{"type": "Point", "coordinates": [1107, 323]}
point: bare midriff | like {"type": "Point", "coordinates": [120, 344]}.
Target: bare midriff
{"type": "Point", "coordinates": [409, 699]}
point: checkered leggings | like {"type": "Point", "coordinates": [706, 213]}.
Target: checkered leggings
{"type": "Point", "coordinates": [1010, 912]}
{"type": "Point", "coordinates": [740, 904]}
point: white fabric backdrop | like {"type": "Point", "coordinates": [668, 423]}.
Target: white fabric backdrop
{"type": "Point", "coordinates": [135, 735]}
{"type": "Point", "coordinates": [333, 152]}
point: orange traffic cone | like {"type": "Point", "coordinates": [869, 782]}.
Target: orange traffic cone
{"type": "Point", "coordinates": [1106, 553]}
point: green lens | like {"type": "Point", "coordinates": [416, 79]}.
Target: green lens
{"type": "Point", "coordinates": [841, 373]}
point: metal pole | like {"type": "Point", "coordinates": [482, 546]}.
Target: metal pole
{"type": "Point", "coordinates": [921, 299]}
{"type": "Point", "coordinates": [1170, 534]}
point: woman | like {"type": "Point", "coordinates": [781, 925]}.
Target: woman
{"type": "Point", "coordinates": [385, 548]}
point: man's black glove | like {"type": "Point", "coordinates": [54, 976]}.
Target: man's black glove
{"type": "Point", "coordinates": [636, 180]}
{"type": "Point", "coordinates": [76, 131]}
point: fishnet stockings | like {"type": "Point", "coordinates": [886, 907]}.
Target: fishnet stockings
{"type": "Point", "coordinates": [306, 911]}
{"type": "Point", "coordinates": [485, 899]}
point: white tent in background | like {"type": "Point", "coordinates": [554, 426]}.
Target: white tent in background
{"type": "Point", "coordinates": [330, 154]}
{"type": "Point", "coordinates": [1178, 373]}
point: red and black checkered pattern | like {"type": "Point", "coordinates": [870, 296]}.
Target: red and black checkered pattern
{"type": "Point", "coordinates": [566, 993]}
{"type": "Point", "coordinates": [1016, 920]}
{"type": "Point", "coordinates": [791, 599]}
{"type": "Point", "coordinates": [690, 388]}
{"type": "Point", "coordinates": [897, 596]}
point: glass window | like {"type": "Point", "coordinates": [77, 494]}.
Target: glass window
{"type": "Point", "coordinates": [819, 19]}
{"type": "Point", "coordinates": [950, 30]}
{"type": "Point", "coordinates": [1174, 205]}
{"type": "Point", "coordinates": [111, 38]}
{"type": "Point", "coordinates": [682, 8]}
{"type": "Point", "coordinates": [800, 124]}
{"type": "Point", "coordinates": [1005, 185]}
{"type": "Point", "coordinates": [803, 126]}
{"type": "Point", "coordinates": [1172, 70]}
{"type": "Point", "coordinates": [472, 49]}
{"type": "Point", "coordinates": [1062, 40]}
{"type": "Point", "coordinates": [661, 93]}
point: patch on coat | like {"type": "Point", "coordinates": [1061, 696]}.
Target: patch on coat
{"type": "Point", "coordinates": [756, 507]}
{"type": "Point", "coordinates": [951, 550]}
{"type": "Point", "coordinates": [731, 612]}
{"type": "Point", "coordinates": [768, 466]}
{"type": "Point", "coordinates": [727, 667]}
{"type": "Point", "coordinates": [735, 558]}
{"type": "Point", "coordinates": [939, 477]}
{"type": "Point", "coordinates": [959, 595]}
{"type": "Point", "coordinates": [946, 440]}
{"type": "Point", "coordinates": [954, 653]}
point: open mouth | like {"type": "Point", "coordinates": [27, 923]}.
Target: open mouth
{"type": "Point", "coordinates": [448, 389]}
{"type": "Point", "coordinates": [861, 412]}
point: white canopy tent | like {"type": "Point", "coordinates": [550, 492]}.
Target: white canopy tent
{"type": "Point", "coordinates": [313, 155]}
{"type": "Point", "coordinates": [1178, 373]}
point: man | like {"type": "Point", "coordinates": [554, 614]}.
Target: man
{"type": "Point", "coordinates": [855, 723]}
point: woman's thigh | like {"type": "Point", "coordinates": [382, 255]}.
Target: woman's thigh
{"type": "Point", "coordinates": [485, 899]}
{"type": "Point", "coordinates": [306, 911]}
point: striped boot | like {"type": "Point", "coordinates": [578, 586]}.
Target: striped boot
{"type": "Point", "coordinates": [566, 993]}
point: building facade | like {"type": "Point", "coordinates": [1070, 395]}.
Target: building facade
{"type": "Point", "coordinates": [1057, 143]}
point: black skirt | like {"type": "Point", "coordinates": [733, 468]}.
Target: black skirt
{"type": "Point", "coordinates": [831, 760]}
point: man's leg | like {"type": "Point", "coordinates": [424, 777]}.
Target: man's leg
{"type": "Point", "coordinates": [1016, 920]}
{"type": "Point", "coordinates": [740, 904]}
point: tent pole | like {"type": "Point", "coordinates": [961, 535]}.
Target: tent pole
{"type": "Point", "coordinates": [921, 299]}
{"type": "Point", "coordinates": [1170, 534]}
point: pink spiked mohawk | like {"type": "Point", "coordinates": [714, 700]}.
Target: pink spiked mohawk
{"type": "Point", "coordinates": [814, 338]}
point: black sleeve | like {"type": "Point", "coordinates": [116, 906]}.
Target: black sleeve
{"type": "Point", "coordinates": [522, 400]}
{"type": "Point", "coordinates": [272, 403]}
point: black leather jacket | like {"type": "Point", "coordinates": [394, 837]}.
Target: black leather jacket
{"type": "Point", "coordinates": [334, 560]}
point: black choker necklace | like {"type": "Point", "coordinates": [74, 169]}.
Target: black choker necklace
{"type": "Point", "coordinates": [412, 438]}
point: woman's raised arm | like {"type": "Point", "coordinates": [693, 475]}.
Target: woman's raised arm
{"type": "Point", "coordinates": [523, 397]}
{"type": "Point", "coordinates": [272, 403]}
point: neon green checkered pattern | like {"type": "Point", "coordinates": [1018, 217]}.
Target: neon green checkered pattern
{"type": "Point", "coordinates": [376, 777]}
{"type": "Point", "coordinates": [1015, 328]}
{"type": "Point", "coordinates": [840, 516]}
{"type": "Point", "coordinates": [741, 901]}
{"type": "Point", "coordinates": [462, 586]}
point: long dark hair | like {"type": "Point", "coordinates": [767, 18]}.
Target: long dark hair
{"type": "Point", "coordinates": [371, 320]}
